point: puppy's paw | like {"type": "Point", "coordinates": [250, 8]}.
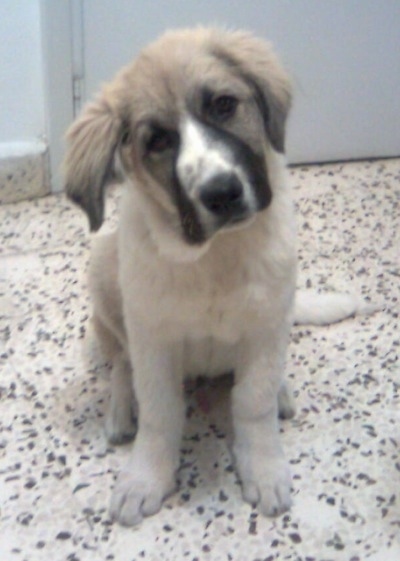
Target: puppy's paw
{"type": "Point", "coordinates": [139, 493]}
{"type": "Point", "coordinates": [266, 484]}
{"type": "Point", "coordinates": [120, 427]}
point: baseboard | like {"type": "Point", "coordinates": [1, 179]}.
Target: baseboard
{"type": "Point", "coordinates": [24, 171]}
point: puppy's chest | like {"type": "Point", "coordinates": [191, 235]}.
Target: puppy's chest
{"type": "Point", "coordinates": [221, 301]}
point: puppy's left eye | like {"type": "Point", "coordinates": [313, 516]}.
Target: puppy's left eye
{"type": "Point", "coordinates": [160, 141]}
{"type": "Point", "coordinates": [223, 107]}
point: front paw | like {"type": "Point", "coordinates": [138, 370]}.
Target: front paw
{"type": "Point", "coordinates": [139, 492]}
{"type": "Point", "coordinates": [265, 482]}
{"type": "Point", "coordinates": [120, 427]}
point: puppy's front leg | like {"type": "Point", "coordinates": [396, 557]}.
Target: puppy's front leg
{"type": "Point", "coordinates": [120, 427]}
{"type": "Point", "coordinates": [149, 475]}
{"type": "Point", "coordinates": [262, 467]}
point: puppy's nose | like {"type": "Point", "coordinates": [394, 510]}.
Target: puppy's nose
{"type": "Point", "coordinates": [223, 195]}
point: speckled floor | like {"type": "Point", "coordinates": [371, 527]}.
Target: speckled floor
{"type": "Point", "coordinates": [57, 470]}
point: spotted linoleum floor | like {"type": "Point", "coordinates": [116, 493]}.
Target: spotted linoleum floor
{"type": "Point", "coordinates": [57, 470]}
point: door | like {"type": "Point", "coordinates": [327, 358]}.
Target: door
{"type": "Point", "coordinates": [343, 56]}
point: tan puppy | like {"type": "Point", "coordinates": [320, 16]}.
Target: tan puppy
{"type": "Point", "coordinates": [200, 277]}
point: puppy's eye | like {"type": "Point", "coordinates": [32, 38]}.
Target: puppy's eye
{"type": "Point", "coordinates": [160, 141]}
{"type": "Point", "coordinates": [223, 107]}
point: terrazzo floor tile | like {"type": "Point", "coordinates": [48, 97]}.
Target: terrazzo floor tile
{"type": "Point", "coordinates": [57, 470]}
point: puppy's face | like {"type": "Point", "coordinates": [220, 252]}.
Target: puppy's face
{"type": "Point", "coordinates": [191, 120]}
{"type": "Point", "coordinates": [201, 143]}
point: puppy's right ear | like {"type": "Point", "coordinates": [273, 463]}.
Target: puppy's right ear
{"type": "Point", "coordinates": [88, 165]}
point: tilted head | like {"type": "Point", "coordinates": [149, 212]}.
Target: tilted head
{"type": "Point", "coordinates": [191, 120]}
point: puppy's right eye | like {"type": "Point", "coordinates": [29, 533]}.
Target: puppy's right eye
{"type": "Point", "coordinates": [220, 108]}
{"type": "Point", "coordinates": [160, 141]}
{"type": "Point", "coordinates": [224, 106]}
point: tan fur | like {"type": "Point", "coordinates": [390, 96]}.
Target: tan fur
{"type": "Point", "coordinates": [140, 90]}
{"type": "Point", "coordinates": [169, 307]}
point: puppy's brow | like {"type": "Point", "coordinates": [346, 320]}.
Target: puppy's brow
{"type": "Point", "coordinates": [151, 123]}
{"type": "Point", "coordinates": [225, 58]}
{"type": "Point", "coordinates": [157, 117]}
{"type": "Point", "coordinates": [263, 97]}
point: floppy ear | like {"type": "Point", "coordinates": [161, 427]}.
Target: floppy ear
{"type": "Point", "coordinates": [255, 61]}
{"type": "Point", "coordinates": [88, 165]}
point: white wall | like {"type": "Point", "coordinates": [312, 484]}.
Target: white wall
{"type": "Point", "coordinates": [36, 102]}
{"type": "Point", "coordinates": [344, 56]}
{"type": "Point", "coordinates": [22, 112]}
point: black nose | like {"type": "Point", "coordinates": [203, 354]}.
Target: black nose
{"type": "Point", "coordinates": [223, 195]}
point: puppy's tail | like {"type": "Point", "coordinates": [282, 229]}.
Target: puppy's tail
{"type": "Point", "coordinates": [322, 309]}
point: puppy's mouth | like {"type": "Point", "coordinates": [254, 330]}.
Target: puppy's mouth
{"type": "Point", "coordinates": [238, 221]}
{"type": "Point", "coordinates": [197, 234]}
{"type": "Point", "coordinates": [234, 219]}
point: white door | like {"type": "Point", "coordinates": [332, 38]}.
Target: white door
{"type": "Point", "coordinates": [343, 55]}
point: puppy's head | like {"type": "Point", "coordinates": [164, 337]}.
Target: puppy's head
{"type": "Point", "coordinates": [191, 121]}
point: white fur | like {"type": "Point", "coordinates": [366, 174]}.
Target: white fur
{"type": "Point", "coordinates": [227, 306]}
{"type": "Point", "coordinates": [201, 158]}
{"type": "Point", "coordinates": [198, 159]}
{"type": "Point", "coordinates": [205, 315]}
{"type": "Point", "coordinates": [323, 309]}
{"type": "Point", "coordinates": [326, 308]}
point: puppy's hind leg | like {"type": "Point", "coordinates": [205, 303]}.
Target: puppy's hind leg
{"type": "Point", "coordinates": [286, 405]}
{"type": "Point", "coordinates": [120, 426]}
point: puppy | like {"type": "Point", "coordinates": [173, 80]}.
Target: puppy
{"type": "Point", "coordinates": [200, 276]}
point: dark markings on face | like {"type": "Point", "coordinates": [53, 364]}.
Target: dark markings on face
{"type": "Point", "coordinates": [163, 167]}
{"type": "Point", "coordinates": [161, 146]}
{"type": "Point", "coordinates": [192, 229]}
{"type": "Point", "coordinates": [274, 117]}
{"type": "Point", "coordinates": [161, 149]}
{"type": "Point", "coordinates": [252, 164]}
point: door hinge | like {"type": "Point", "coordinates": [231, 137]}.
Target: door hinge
{"type": "Point", "coordinates": [77, 93]}
{"type": "Point", "coordinates": [78, 61]}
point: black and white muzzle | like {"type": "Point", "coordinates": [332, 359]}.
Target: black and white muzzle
{"type": "Point", "coordinates": [220, 181]}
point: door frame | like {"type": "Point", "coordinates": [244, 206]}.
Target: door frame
{"type": "Point", "coordinates": [62, 56]}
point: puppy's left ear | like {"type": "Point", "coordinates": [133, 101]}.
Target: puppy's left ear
{"type": "Point", "coordinates": [89, 162]}
{"type": "Point", "coordinates": [255, 61]}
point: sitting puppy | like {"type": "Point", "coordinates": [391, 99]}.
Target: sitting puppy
{"type": "Point", "coordinates": [200, 276]}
